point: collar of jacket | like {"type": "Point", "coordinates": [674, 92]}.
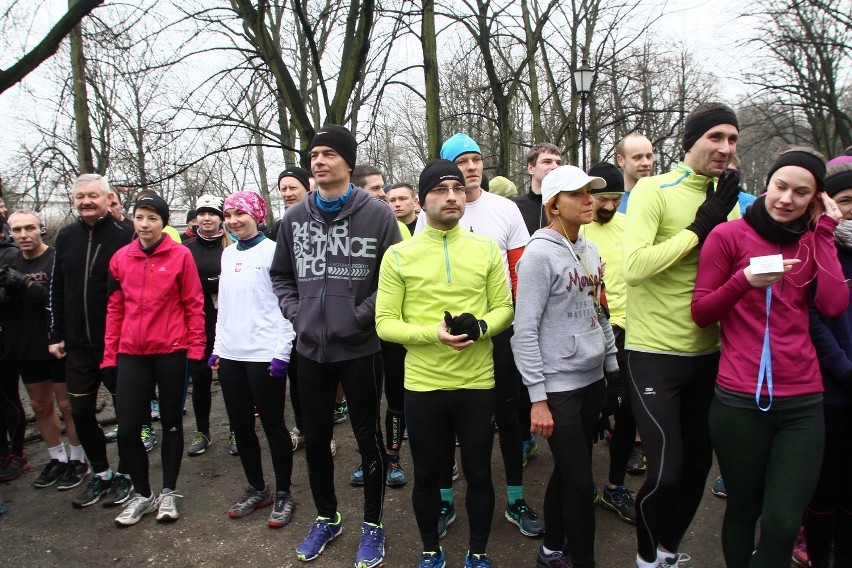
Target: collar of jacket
{"type": "Point", "coordinates": [434, 234]}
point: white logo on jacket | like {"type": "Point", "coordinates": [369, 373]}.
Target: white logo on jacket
{"type": "Point", "coordinates": [315, 251]}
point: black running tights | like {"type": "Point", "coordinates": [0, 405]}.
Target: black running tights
{"type": "Point", "coordinates": [137, 376]}
{"type": "Point", "coordinates": [246, 387]}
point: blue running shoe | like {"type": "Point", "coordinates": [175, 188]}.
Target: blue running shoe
{"type": "Point", "coordinates": [530, 449]}
{"type": "Point", "coordinates": [371, 551]}
{"type": "Point", "coordinates": [477, 561]}
{"type": "Point", "coordinates": [432, 560]}
{"type": "Point", "coordinates": [552, 560]}
{"type": "Point", "coordinates": [322, 532]}
{"type": "Point", "coordinates": [396, 475]}
{"type": "Point", "coordinates": [357, 477]}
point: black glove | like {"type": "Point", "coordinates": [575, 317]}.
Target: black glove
{"type": "Point", "coordinates": [109, 375]}
{"type": "Point", "coordinates": [464, 323]}
{"type": "Point", "coordinates": [614, 391]}
{"type": "Point", "coordinates": [603, 426]}
{"type": "Point", "coordinates": [718, 204]}
{"type": "Point", "coordinates": [12, 280]}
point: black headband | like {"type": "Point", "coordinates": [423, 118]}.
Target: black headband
{"type": "Point", "coordinates": [805, 160]}
{"type": "Point", "coordinates": [696, 126]}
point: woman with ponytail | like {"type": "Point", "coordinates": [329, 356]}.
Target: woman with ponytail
{"type": "Point", "coordinates": [768, 401]}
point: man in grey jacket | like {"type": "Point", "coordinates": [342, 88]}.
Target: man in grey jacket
{"type": "Point", "coordinates": [325, 273]}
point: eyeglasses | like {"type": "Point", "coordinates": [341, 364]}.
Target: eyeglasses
{"type": "Point", "coordinates": [444, 190]}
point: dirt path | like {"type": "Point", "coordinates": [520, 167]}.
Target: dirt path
{"type": "Point", "coordinates": [42, 529]}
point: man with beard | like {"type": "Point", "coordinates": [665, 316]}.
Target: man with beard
{"type": "Point", "coordinates": [607, 232]}
{"type": "Point", "coordinates": [634, 154]}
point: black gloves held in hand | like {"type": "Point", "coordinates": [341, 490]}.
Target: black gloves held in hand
{"type": "Point", "coordinates": [464, 323]}
{"type": "Point", "coordinates": [11, 279]}
{"type": "Point", "coordinates": [718, 204]}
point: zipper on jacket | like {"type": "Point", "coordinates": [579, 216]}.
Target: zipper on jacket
{"type": "Point", "coordinates": [447, 260]}
{"type": "Point", "coordinates": [89, 269]}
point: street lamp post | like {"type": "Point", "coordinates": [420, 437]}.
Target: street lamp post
{"type": "Point", "coordinates": [583, 77]}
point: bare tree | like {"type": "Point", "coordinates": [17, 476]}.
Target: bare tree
{"type": "Point", "coordinates": [805, 66]}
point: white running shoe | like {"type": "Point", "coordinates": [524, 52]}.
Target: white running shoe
{"type": "Point", "coordinates": [135, 509]}
{"type": "Point", "coordinates": [168, 506]}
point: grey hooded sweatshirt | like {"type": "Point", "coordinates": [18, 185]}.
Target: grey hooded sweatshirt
{"type": "Point", "coordinates": [561, 342]}
{"type": "Point", "coordinates": [326, 275]}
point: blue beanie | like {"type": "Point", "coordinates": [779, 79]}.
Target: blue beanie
{"type": "Point", "coordinates": [457, 145]}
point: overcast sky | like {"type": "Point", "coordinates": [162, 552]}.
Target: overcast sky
{"type": "Point", "coordinates": [709, 28]}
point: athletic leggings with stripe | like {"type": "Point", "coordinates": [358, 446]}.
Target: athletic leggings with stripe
{"type": "Point", "coordinates": [670, 396]}
{"type": "Point", "coordinates": [362, 384]}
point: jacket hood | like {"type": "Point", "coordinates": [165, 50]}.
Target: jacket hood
{"type": "Point", "coordinates": [552, 236]}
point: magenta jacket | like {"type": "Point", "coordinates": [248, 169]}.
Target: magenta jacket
{"type": "Point", "coordinates": [156, 305]}
{"type": "Point", "coordinates": [723, 294]}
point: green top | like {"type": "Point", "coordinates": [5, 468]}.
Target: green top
{"type": "Point", "coordinates": [429, 273]}
{"type": "Point", "coordinates": [609, 240]}
{"type": "Point", "coordinates": [660, 264]}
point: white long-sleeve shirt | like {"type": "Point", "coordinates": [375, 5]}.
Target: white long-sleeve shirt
{"type": "Point", "coordinates": [250, 326]}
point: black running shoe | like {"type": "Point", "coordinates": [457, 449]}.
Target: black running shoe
{"type": "Point", "coordinates": [75, 472]}
{"type": "Point", "coordinates": [119, 492]}
{"type": "Point", "coordinates": [96, 488]}
{"type": "Point", "coordinates": [51, 473]}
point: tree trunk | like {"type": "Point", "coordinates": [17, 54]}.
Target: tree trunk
{"type": "Point", "coordinates": [85, 162]}
{"type": "Point", "coordinates": [429, 41]}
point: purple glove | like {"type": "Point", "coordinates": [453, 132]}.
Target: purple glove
{"type": "Point", "coordinates": [278, 369]}
{"type": "Point", "coordinates": [213, 360]}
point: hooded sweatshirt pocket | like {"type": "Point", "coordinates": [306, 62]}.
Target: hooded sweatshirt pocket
{"type": "Point", "coordinates": [582, 351]}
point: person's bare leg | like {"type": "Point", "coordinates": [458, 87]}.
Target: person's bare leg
{"type": "Point", "coordinates": [60, 391]}
{"type": "Point", "coordinates": [41, 400]}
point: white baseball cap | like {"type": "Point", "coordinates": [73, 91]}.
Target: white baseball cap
{"type": "Point", "coordinates": [567, 178]}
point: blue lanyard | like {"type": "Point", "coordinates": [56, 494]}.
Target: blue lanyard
{"type": "Point", "coordinates": [765, 359]}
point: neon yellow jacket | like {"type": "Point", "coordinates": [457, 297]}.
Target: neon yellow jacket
{"type": "Point", "coordinates": [425, 275]}
{"type": "Point", "coordinates": [660, 264]}
{"type": "Point", "coordinates": [609, 240]}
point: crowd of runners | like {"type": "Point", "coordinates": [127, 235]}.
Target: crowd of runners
{"type": "Point", "coordinates": [699, 319]}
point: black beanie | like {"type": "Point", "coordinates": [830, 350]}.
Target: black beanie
{"type": "Point", "coordinates": [611, 175]}
{"type": "Point", "coordinates": [700, 121]}
{"type": "Point", "coordinates": [191, 214]}
{"type": "Point", "coordinates": [301, 174]}
{"type": "Point", "coordinates": [338, 138]}
{"type": "Point", "coordinates": [835, 183]}
{"type": "Point", "coordinates": [156, 203]}
{"type": "Point", "coordinates": [806, 160]}
{"type": "Point", "coordinates": [436, 172]}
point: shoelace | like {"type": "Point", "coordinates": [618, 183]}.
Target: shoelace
{"type": "Point", "coordinates": [168, 500]}
{"type": "Point", "coordinates": [198, 438]}
{"type": "Point", "coordinates": [523, 508]}
{"type": "Point", "coordinates": [430, 560]}
{"type": "Point", "coordinates": [479, 561]}
{"type": "Point", "coordinates": [371, 537]}
{"type": "Point", "coordinates": [318, 528]}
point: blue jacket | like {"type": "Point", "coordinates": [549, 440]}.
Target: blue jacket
{"type": "Point", "coordinates": [833, 341]}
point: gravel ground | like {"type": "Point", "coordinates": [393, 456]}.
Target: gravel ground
{"type": "Point", "coordinates": [42, 529]}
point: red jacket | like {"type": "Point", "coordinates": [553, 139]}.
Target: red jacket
{"type": "Point", "coordinates": [156, 305]}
